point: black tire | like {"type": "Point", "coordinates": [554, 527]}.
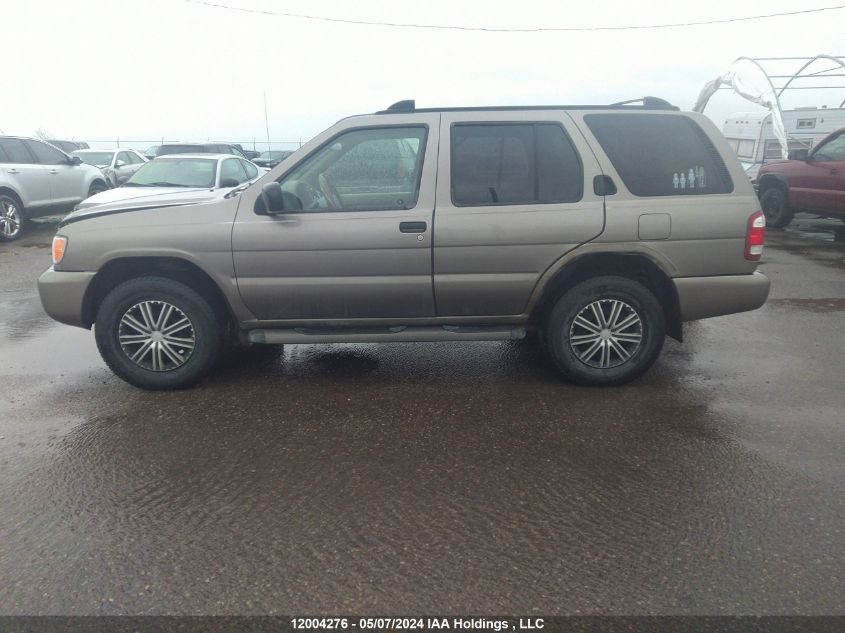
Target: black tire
{"type": "Point", "coordinates": [775, 205]}
{"type": "Point", "coordinates": [204, 328]}
{"type": "Point", "coordinates": [12, 219]}
{"type": "Point", "coordinates": [562, 332]}
{"type": "Point", "coordinates": [97, 187]}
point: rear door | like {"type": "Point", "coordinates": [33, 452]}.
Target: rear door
{"type": "Point", "coordinates": [356, 242]}
{"type": "Point", "coordinates": [514, 194]}
{"type": "Point", "coordinates": [23, 172]}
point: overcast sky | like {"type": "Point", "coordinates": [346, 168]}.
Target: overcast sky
{"type": "Point", "coordinates": [147, 69]}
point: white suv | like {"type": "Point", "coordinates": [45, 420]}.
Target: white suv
{"type": "Point", "coordinates": [37, 179]}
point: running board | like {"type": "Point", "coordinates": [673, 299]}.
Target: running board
{"type": "Point", "coordinates": [399, 334]}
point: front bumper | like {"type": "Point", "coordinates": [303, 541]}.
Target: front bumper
{"type": "Point", "coordinates": [63, 295]}
{"type": "Point", "coordinates": [704, 297]}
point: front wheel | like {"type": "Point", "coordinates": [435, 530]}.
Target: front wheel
{"type": "Point", "coordinates": [605, 331]}
{"type": "Point", "coordinates": [157, 333]}
{"type": "Point", "coordinates": [775, 204]}
{"type": "Point", "coordinates": [97, 187]}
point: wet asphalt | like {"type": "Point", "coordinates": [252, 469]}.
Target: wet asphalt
{"type": "Point", "coordinates": [433, 478]}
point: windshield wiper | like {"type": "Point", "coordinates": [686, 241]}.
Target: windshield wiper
{"type": "Point", "coordinates": [164, 183]}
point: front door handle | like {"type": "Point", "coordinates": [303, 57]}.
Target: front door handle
{"type": "Point", "coordinates": [412, 227]}
{"type": "Point", "coordinates": [54, 171]}
{"type": "Point", "coordinates": [12, 171]}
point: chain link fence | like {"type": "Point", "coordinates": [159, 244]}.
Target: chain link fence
{"type": "Point", "coordinates": [255, 144]}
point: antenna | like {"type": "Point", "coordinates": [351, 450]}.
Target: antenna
{"type": "Point", "coordinates": [266, 121]}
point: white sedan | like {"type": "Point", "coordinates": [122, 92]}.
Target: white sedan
{"type": "Point", "coordinates": [117, 164]}
{"type": "Point", "coordinates": [180, 177]}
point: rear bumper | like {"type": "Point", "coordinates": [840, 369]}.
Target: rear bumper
{"type": "Point", "coordinates": [703, 297]}
{"type": "Point", "coordinates": [63, 295]}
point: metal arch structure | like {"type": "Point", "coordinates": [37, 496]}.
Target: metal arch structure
{"type": "Point", "coordinates": [769, 97]}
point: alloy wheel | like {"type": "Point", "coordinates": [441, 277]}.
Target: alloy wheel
{"type": "Point", "coordinates": [10, 219]}
{"type": "Point", "coordinates": [156, 335]}
{"type": "Point", "coordinates": [606, 333]}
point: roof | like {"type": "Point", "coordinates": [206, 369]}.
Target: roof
{"type": "Point", "coordinates": [647, 103]}
{"type": "Point", "coordinates": [197, 155]}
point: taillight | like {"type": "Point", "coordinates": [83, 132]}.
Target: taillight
{"type": "Point", "coordinates": [755, 236]}
{"type": "Point", "coordinates": [59, 245]}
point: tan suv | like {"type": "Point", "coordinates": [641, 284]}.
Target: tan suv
{"type": "Point", "coordinates": [603, 227]}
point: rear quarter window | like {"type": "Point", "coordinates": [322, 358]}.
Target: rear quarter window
{"type": "Point", "coordinates": [660, 155]}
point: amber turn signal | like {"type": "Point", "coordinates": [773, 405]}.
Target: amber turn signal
{"type": "Point", "coordinates": [59, 246]}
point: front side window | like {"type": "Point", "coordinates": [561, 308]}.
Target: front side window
{"type": "Point", "coordinates": [660, 154]}
{"type": "Point", "coordinates": [12, 150]}
{"type": "Point", "coordinates": [523, 163]}
{"type": "Point", "coordinates": [46, 154]}
{"type": "Point", "coordinates": [232, 170]}
{"type": "Point", "coordinates": [251, 170]}
{"type": "Point", "coordinates": [834, 149]}
{"type": "Point", "coordinates": [374, 169]}
{"type": "Point", "coordinates": [124, 156]}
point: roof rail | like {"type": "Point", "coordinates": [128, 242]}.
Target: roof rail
{"type": "Point", "coordinates": [648, 103]}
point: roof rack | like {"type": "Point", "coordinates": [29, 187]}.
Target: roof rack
{"type": "Point", "coordinates": [647, 103]}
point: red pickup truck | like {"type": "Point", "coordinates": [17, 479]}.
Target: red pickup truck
{"type": "Point", "coordinates": [814, 182]}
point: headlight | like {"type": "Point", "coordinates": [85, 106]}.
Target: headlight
{"type": "Point", "coordinates": [59, 247]}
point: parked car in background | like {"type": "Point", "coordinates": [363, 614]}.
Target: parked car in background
{"type": "Point", "coordinates": [68, 146]}
{"type": "Point", "coordinates": [603, 227]}
{"type": "Point", "coordinates": [37, 179]}
{"type": "Point", "coordinates": [178, 179]}
{"type": "Point", "coordinates": [811, 181]}
{"type": "Point", "coordinates": [272, 158]}
{"type": "Point", "coordinates": [116, 164]}
{"type": "Point", "coordinates": [198, 148]}
{"type": "Point", "coordinates": [248, 153]}
{"type": "Point", "coordinates": [150, 152]}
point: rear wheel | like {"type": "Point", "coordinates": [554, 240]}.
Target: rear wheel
{"type": "Point", "coordinates": [605, 331]}
{"type": "Point", "coordinates": [157, 333]}
{"type": "Point", "coordinates": [775, 205]}
{"type": "Point", "coordinates": [11, 218]}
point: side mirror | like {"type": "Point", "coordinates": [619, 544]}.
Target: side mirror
{"type": "Point", "coordinates": [273, 198]}
{"type": "Point", "coordinates": [229, 182]}
{"type": "Point", "coordinates": [120, 163]}
{"type": "Point", "coordinates": [798, 154]}
{"type": "Point", "coordinates": [75, 160]}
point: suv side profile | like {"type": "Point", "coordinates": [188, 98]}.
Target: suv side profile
{"type": "Point", "coordinates": [37, 179]}
{"type": "Point", "coordinates": [815, 183]}
{"type": "Point", "coordinates": [584, 223]}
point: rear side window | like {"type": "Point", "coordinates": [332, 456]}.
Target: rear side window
{"type": "Point", "coordinates": [522, 163]}
{"type": "Point", "coordinates": [660, 155]}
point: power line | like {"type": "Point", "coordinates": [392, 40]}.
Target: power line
{"type": "Point", "coordinates": [446, 27]}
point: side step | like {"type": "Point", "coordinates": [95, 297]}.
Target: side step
{"type": "Point", "coordinates": [399, 334]}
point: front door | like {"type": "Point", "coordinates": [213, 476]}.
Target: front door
{"type": "Point", "coordinates": [821, 178]}
{"type": "Point", "coordinates": [24, 174]}
{"type": "Point", "coordinates": [66, 181]}
{"type": "Point", "coordinates": [356, 240]}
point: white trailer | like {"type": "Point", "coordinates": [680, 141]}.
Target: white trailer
{"type": "Point", "coordinates": [752, 136]}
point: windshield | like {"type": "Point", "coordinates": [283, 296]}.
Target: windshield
{"type": "Point", "coordinates": [176, 172]}
{"type": "Point", "coordinates": [274, 155]}
{"type": "Point", "coordinates": [151, 150]}
{"type": "Point", "coordinates": [98, 159]}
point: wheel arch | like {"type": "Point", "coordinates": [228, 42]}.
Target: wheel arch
{"type": "Point", "coordinates": [121, 269]}
{"type": "Point", "coordinates": [635, 265]}
{"type": "Point", "coordinates": [767, 181]}
{"type": "Point", "coordinates": [8, 191]}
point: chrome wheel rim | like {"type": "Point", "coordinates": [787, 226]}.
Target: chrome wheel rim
{"type": "Point", "coordinates": [606, 333]}
{"type": "Point", "coordinates": [10, 219]}
{"type": "Point", "coordinates": [156, 335]}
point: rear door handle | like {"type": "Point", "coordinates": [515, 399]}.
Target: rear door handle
{"type": "Point", "coordinates": [834, 171]}
{"type": "Point", "coordinates": [412, 227]}
{"type": "Point", "coordinates": [54, 171]}
{"type": "Point", "coordinates": [12, 171]}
